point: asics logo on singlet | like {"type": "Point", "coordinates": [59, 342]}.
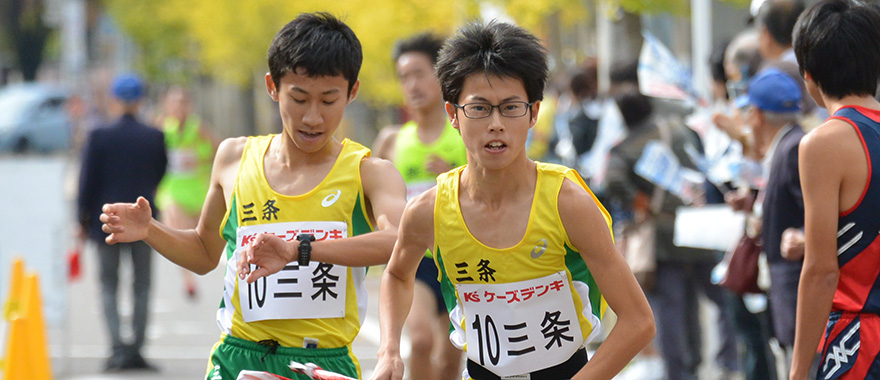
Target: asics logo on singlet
{"type": "Point", "coordinates": [331, 199]}
{"type": "Point", "coordinates": [840, 355]}
{"type": "Point", "coordinates": [539, 248]}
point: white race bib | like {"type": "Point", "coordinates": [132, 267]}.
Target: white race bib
{"type": "Point", "coordinates": [316, 291]}
{"type": "Point", "coordinates": [182, 161]}
{"type": "Point", "coordinates": [520, 327]}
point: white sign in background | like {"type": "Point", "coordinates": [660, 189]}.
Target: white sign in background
{"type": "Point", "coordinates": [715, 227]}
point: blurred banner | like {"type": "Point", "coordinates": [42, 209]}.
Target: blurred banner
{"type": "Point", "coordinates": [660, 73]}
{"type": "Point", "coordinates": [659, 165]}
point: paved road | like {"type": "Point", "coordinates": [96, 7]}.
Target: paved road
{"type": "Point", "coordinates": [181, 331]}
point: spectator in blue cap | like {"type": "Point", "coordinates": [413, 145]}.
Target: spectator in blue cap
{"type": "Point", "coordinates": [128, 88]}
{"type": "Point", "coordinates": [773, 105]}
{"type": "Point", "coordinates": [773, 90]}
{"type": "Point", "coordinates": [137, 165]}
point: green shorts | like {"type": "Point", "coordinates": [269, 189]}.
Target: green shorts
{"type": "Point", "coordinates": [231, 355]}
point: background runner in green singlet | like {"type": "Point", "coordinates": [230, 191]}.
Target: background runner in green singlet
{"type": "Point", "coordinates": [421, 149]}
{"type": "Point", "coordinates": [191, 150]}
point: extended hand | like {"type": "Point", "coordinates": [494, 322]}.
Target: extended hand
{"type": "Point", "coordinates": [792, 246]}
{"type": "Point", "coordinates": [436, 165]}
{"type": "Point", "coordinates": [126, 222]}
{"type": "Point", "coordinates": [389, 367]}
{"type": "Point", "coordinates": [269, 253]}
{"type": "Point", "coordinates": [739, 200]}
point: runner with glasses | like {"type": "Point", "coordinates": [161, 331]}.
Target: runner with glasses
{"type": "Point", "coordinates": [523, 247]}
{"type": "Point", "coordinates": [484, 110]}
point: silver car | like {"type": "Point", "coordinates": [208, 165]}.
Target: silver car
{"type": "Point", "coordinates": [33, 117]}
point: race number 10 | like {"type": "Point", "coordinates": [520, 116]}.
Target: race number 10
{"type": "Point", "coordinates": [257, 293]}
{"type": "Point", "coordinates": [485, 333]}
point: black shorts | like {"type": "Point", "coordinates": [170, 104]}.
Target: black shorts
{"type": "Point", "coordinates": [427, 273]}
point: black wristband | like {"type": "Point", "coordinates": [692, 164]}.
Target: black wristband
{"type": "Point", "coordinates": [305, 248]}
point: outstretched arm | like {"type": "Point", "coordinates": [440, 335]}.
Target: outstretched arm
{"type": "Point", "coordinates": [196, 249]}
{"type": "Point", "coordinates": [396, 293]}
{"type": "Point", "coordinates": [586, 227]}
{"type": "Point", "coordinates": [386, 198]}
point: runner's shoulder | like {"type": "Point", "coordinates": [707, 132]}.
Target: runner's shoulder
{"type": "Point", "coordinates": [229, 152]}
{"type": "Point", "coordinates": [420, 209]}
{"type": "Point", "coordinates": [375, 167]}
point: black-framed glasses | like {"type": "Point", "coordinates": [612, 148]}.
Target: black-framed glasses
{"type": "Point", "coordinates": [484, 110]}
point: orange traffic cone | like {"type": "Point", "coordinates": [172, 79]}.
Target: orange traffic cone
{"type": "Point", "coordinates": [13, 301]}
{"type": "Point", "coordinates": [27, 354]}
{"type": "Point", "coordinates": [15, 363]}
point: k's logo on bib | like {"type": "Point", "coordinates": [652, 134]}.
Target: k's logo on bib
{"type": "Point", "coordinates": [331, 199]}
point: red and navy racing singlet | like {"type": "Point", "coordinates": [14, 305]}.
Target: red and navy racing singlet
{"type": "Point", "coordinates": [852, 337]}
{"type": "Point", "coordinates": [858, 249]}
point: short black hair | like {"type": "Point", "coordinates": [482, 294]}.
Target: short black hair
{"type": "Point", "coordinates": [838, 43]}
{"type": "Point", "coordinates": [426, 43]}
{"type": "Point", "coordinates": [498, 49]}
{"type": "Point", "coordinates": [634, 106]}
{"type": "Point", "coordinates": [779, 17]}
{"type": "Point", "coordinates": [716, 62]}
{"type": "Point", "coordinates": [625, 72]}
{"type": "Point", "coordinates": [319, 43]}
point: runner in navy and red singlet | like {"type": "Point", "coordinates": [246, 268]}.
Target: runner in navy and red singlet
{"type": "Point", "coordinates": [856, 304]}
{"type": "Point", "coordinates": [837, 44]}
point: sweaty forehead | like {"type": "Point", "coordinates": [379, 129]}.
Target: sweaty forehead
{"type": "Point", "coordinates": [479, 86]}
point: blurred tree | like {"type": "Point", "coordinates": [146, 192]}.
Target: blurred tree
{"type": "Point", "coordinates": [675, 7]}
{"type": "Point", "coordinates": [23, 27]}
{"type": "Point", "coordinates": [627, 23]}
{"type": "Point", "coordinates": [233, 37]}
{"type": "Point", "coordinates": [534, 15]}
{"type": "Point", "coordinates": [163, 37]}
{"type": "Point", "coordinates": [228, 39]}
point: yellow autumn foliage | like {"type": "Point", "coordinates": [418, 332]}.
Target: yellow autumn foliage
{"type": "Point", "coordinates": [228, 39]}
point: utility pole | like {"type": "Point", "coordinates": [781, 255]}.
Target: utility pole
{"type": "Point", "coordinates": [604, 45]}
{"type": "Point", "coordinates": [73, 43]}
{"type": "Point", "coordinates": [701, 46]}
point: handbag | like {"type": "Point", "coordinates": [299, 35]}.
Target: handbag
{"type": "Point", "coordinates": [742, 266]}
{"type": "Point", "coordinates": [640, 252]}
{"type": "Point", "coordinates": [641, 238]}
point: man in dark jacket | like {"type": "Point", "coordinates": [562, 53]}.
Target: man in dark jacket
{"type": "Point", "coordinates": [773, 107]}
{"type": "Point", "coordinates": [120, 162]}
